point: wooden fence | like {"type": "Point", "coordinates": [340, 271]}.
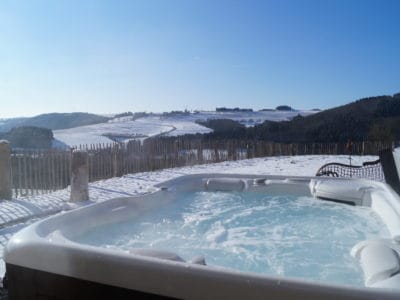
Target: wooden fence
{"type": "Point", "coordinates": [39, 171]}
{"type": "Point", "coordinates": [43, 171]}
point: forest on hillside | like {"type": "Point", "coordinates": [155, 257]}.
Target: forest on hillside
{"type": "Point", "coordinates": [29, 137]}
{"type": "Point", "coordinates": [54, 121]}
{"type": "Point", "coordinates": [372, 119]}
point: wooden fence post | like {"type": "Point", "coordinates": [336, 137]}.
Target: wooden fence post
{"type": "Point", "coordinates": [79, 176]}
{"type": "Point", "coordinates": [199, 152]}
{"type": "Point", "coordinates": [115, 164]}
{"type": "Point", "coordinates": [5, 171]}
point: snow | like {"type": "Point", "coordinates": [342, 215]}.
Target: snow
{"type": "Point", "coordinates": [251, 118]}
{"type": "Point", "coordinates": [94, 134]}
{"type": "Point", "coordinates": [125, 128]}
{"type": "Point", "coordinates": [177, 126]}
{"type": "Point", "coordinates": [18, 213]}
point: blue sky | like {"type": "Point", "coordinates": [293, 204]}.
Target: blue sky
{"type": "Point", "coordinates": [115, 56]}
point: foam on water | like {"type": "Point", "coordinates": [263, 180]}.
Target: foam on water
{"type": "Point", "coordinates": [280, 235]}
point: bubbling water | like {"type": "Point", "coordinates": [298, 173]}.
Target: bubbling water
{"type": "Point", "coordinates": [282, 235]}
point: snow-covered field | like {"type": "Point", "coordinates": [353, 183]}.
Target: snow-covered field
{"type": "Point", "coordinates": [250, 118]}
{"type": "Point", "coordinates": [97, 133]}
{"type": "Point", "coordinates": [124, 129]}
{"type": "Point", "coordinates": [16, 214]}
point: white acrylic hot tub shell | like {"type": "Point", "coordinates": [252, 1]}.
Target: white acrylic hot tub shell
{"type": "Point", "coordinates": [47, 246]}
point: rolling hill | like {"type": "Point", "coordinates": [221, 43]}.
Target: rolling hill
{"type": "Point", "coordinates": [54, 121]}
{"type": "Point", "coordinates": [374, 118]}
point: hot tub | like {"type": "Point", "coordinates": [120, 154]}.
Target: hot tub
{"type": "Point", "coordinates": [214, 236]}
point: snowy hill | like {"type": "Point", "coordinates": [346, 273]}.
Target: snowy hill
{"type": "Point", "coordinates": [127, 128]}
{"type": "Point", "coordinates": [252, 118]}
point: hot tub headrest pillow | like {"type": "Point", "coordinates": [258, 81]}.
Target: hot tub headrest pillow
{"type": "Point", "coordinates": [225, 184]}
{"type": "Point", "coordinates": [379, 262]}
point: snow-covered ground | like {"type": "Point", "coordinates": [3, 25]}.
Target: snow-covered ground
{"type": "Point", "coordinates": [125, 128]}
{"type": "Point", "coordinates": [97, 133]}
{"type": "Point", "coordinates": [18, 213]}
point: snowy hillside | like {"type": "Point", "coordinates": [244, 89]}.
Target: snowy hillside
{"type": "Point", "coordinates": [251, 118]}
{"type": "Point", "coordinates": [125, 128]}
